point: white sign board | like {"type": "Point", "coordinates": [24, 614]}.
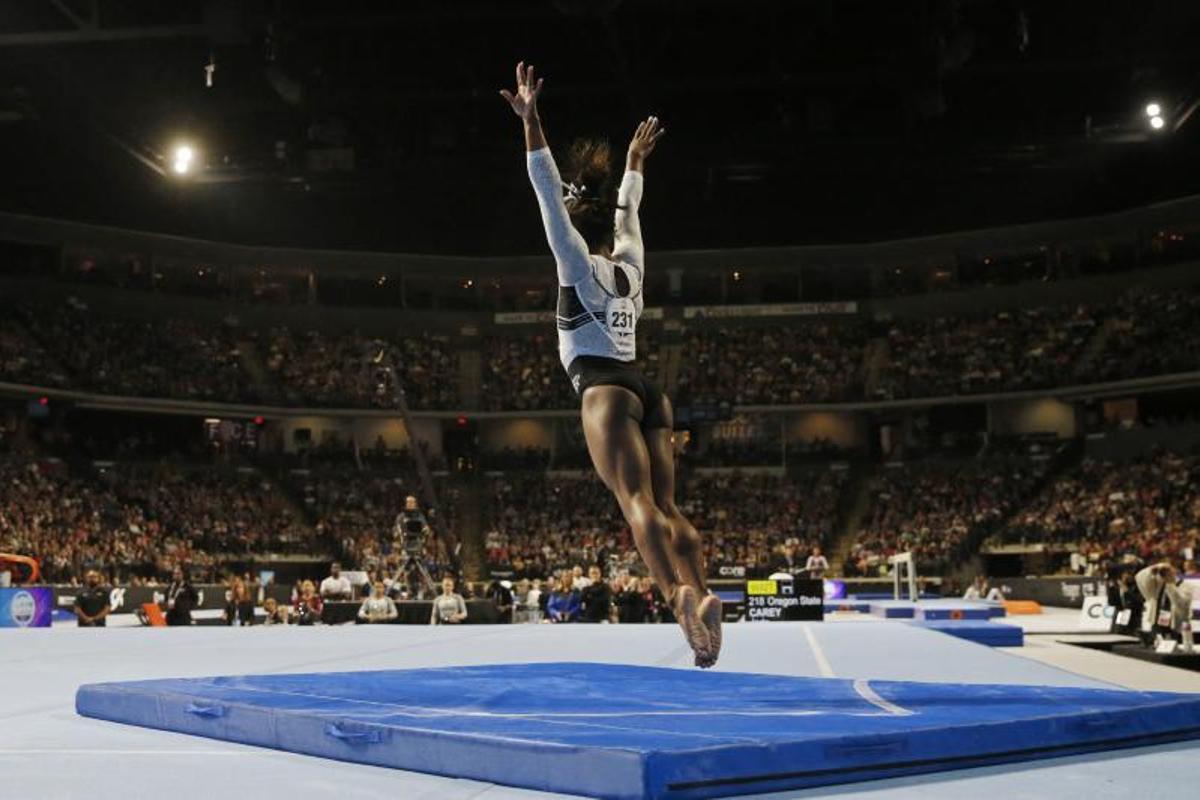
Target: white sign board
{"type": "Point", "coordinates": [1096, 614]}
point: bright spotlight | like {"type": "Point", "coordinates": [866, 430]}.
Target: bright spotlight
{"type": "Point", "coordinates": [181, 167]}
{"type": "Point", "coordinates": [1153, 110]}
{"type": "Point", "coordinates": [184, 153]}
{"type": "Point", "coordinates": [1157, 123]}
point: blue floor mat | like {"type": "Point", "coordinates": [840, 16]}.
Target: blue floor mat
{"type": "Point", "coordinates": [622, 731]}
{"type": "Point", "coordinates": [993, 634]}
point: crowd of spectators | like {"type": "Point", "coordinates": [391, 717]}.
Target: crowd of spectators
{"type": "Point", "coordinates": [802, 362]}
{"type": "Point", "coordinates": [1009, 351]}
{"type": "Point", "coordinates": [177, 358]}
{"type": "Point", "coordinates": [216, 511]}
{"type": "Point", "coordinates": [1132, 512]}
{"type": "Point", "coordinates": [1141, 332]}
{"type": "Point", "coordinates": [524, 373]}
{"type": "Point", "coordinates": [931, 509]}
{"type": "Point", "coordinates": [1152, 333]}
{"type": "Point", "coordinates": [356, 514]}
{"type": "Point", "coordinates": [134, 526]}
{"type": "Point", "coordinates": [748, 452]}
{"type": "Point", "coordinates": [538, 526]}
{"type": "Point", "coordinates": [317, 369]}
{"type": "Point", "coordinates": [761, 523]}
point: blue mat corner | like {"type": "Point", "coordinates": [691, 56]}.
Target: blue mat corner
{"type": "Point", "coordinates": [624, 732]}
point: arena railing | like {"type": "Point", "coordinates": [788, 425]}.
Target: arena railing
{"type": "Point", "coordinates": [1157, 383]}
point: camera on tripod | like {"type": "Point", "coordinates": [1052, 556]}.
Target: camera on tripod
{"type": "Point", "coordinates": [409, 534]}
{"type": "Point", "coordinates": [411, 530]}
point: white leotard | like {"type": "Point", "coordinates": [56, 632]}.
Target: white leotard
{"type": "Point", "coordinates": [599, 299]}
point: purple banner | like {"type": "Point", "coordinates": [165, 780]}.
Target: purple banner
{"type": "Point", "coordinates": [26, 608]}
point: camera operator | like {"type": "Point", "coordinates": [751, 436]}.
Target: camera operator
{"type": "Point", "coordinates": [1168, 601]}
{"type": "Point", "coordinates": [410, 533]}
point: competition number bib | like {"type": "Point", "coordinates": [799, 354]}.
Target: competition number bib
{"type": "Point", "coordinates": [620, 317]}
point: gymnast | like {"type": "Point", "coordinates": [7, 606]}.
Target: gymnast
{"type": "Point", "coordinates": [627, 420]}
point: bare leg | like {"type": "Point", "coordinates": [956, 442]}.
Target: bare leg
{"type": "Point", "coordinates": [687, 551]}
{"type": "Point", "coordinates": [612, 426]}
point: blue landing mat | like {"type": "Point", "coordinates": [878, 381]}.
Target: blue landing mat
{"type": "Point", "coordinates": [993, 634]}
{"type": "Point", "coordinates": [936, 609]}
{"type": "Point", "coordinates": [947, 612]}
{"type": "Point", "coordinates": [623, 732]}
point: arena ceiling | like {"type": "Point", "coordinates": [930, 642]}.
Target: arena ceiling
{"type": "Point", "coordinates": [377, 124]}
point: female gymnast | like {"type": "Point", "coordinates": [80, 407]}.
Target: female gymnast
{"type": "Point", "coordinates": [627, 420]}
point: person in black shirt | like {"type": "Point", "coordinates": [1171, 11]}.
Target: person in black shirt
{"type": "Point", "coordinates": [631, 605]}
{"type": "Point", "coordinates": [91, 602]}
{"type": "Point", "coordinates": [595, 599]}
{"type": "Point", "coordinates": [181, 599]}
{"type": "Point", "coordinates": [502, 597]}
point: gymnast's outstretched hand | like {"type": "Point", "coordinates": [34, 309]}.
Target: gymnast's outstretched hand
{"type": "Point", "coordinates": [642, 144]}
{"type": "Point", "coordinates": [524, 99]}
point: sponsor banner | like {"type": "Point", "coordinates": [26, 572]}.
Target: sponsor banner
{"type": "Point", "coordinates": [770, 310]}
{"type": "Point", "coordinates": [1062, 592]}
{"type": "Point", "coordinates": [835, 590]}
{"type": "Point", "coordinates": [26, 607]}
{"type": "Point", "coordinates": [785, 600]}
{"type": "Point", "coordinates": [531, 317]}
{"type": "Point", "coordinates": [1096, 614]}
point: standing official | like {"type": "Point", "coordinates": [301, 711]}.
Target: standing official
{"type": "Point", "coordinates": [92, 605]}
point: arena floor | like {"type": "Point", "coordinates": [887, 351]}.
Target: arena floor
{"type": "Point", "coordinates": [53, 753]}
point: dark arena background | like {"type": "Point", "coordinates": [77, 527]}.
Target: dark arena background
{"type": "Point", "coordinates": [279, 348]}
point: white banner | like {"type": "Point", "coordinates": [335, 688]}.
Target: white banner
{"type": "Point", "coordinates": [1096, 614]}
{"type": "Point", "coordinates": [771, 310]}
{"type": "Point", "coordinates": [531, 317]}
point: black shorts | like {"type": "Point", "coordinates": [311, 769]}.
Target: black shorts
{"type": "Point", "coordinates": [588, 371]}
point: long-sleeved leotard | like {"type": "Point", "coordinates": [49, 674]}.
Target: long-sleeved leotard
{"type": "Point", "coordinates": [597, 313]}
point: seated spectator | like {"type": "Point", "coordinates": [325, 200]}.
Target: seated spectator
{"type": "Point", "coordinates": [276, 614]}
{"type": "Point", "coordinates": [378, 608]}
{"type": "Point", "coordinates": [449, 608]}
{"type": "Point", "coordinates": [501, 595]}
{"type": "Point", "coordinates": [309, 605]}
{"type": "Point", "coordinates": [337, 586]}
{"type": "Point", "coordinates": [979, 590]}
{"type": "Point", "coordinates": [563, 605]}
{"type": "Point", "coordinates": [239, 605]}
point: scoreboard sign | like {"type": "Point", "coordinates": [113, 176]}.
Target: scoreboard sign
{"type": "Point", "coordinates": [782, 600]}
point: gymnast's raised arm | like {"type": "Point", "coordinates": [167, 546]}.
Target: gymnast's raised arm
{"type": "Point", "coordinates": [570, 250]}
{"type": "Point", "coordinates": [627, 241]}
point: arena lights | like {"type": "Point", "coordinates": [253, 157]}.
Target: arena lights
{"type": "Point", "coordinates": [184, 156]}
{"type": "Point", "coordinates": [1154, 113]}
